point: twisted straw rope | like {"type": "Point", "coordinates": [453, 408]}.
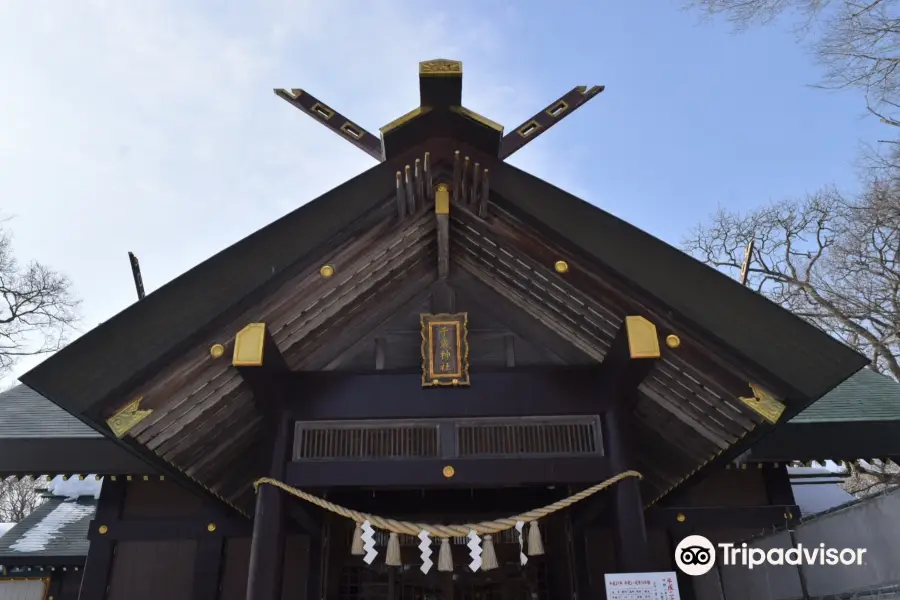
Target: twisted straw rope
{"type": "Point", "coordinates": [445, 531]}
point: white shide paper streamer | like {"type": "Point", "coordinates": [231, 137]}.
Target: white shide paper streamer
{"type": "Point", "coordinates": [520, 527]}
{"type": "Point", "coordinates": [475, 547]}
{"type": "Point", "coordinates": [425, 547]}
{"type": "Point", "coordinates": [368, 537]}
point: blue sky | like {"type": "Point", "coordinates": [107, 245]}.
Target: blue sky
{"type": "Point", "coordinates": [151, 126]}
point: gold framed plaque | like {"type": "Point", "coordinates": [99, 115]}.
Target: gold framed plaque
{"type": "Point", "coordinates": [445, 349]}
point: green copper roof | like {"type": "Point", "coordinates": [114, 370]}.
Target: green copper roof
{"type": "Point", "coordinates": [866, 396]}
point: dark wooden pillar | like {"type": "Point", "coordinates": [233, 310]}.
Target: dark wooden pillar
{"type": "Point", "coordinates": [264, 579]}
{"type": "Point", "coordinates": [577, 550]}
{"type": "Point", "coordinates": [208, 567]}
{"type": "Point", "coordinates": [314, 576]}
{"type": "Point", "coordinates": [100, 553]}
{"type": "Point", "coordinates": [54, 588]}
{"type": "Point", "coordinates": [630, 359]}
{"type": "Point", "coordinates": [630, 527]}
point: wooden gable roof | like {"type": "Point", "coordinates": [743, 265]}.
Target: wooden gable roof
{"type": "Point", "coordinates": [378, 232]}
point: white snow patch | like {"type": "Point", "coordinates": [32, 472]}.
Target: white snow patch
{"type": "Point", "coordinates": [5, 527]}
{"type": "Point", "coordinates": [73, 487]}
{"type": "Point", "coordinates": [37, 538]}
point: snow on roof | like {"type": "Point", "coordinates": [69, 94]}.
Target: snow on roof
{"type": "Point", "coordinates": [73, 488]}
{"type": "Point", "coordinates": [50, 527]}
{"type": "Point", "coordinates": [4, 527]}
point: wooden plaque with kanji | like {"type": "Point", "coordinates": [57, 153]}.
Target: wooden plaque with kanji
{"type": "Point", "coordinates": [445, 350]}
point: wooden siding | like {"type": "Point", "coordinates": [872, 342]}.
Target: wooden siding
{"type": "Point", "coordinates": [159, 499]}
{"type": "Point", "coordinates": [70, 585]}
{"type": "Point", "coordinates": [732, 487]}
{"type": "Point", "coordinates": [237, 561]}
{"type": "Point", "coordinates": [151, 570]}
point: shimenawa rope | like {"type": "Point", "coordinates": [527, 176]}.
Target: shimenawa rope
{"type": "Point", "coordinates": [445, 531]}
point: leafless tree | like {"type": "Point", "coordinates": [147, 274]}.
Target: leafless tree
{"type": "Point", "coordinates": [37, 307]}
{"type": "Point", "coordinates": [18, 497]}
{"type": "Point", "coordinates": [856, 41]}
{"type": "Point", "coordinates": [830, 259]}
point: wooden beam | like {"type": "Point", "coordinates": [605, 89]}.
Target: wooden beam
{"type": "Point", "coordinates": [485, 195]}
{"type": "Point", "coordinates": [258, 360]}
{"type": "Point", "coordinates": [825, 440]}
{"type": "Point", "coordinates": [410, 189]}
{"type": "Point", "coordinates": [101, 551]}
{"type": "Point", "coordinates": [633, 353]}
{"type": "Point", "coordinates": [335, 396]}
{"type": "Point", "coordinates": [67, 456]}
{"type": "Point", "coordinates": [464, 175]}
{"type": "Point", "coordinates": [721, 517]}
{"type": "Point", "coordinates": [457, 177]}
{"type": "Point", "coordinates": [401, 196]}
{"type": "Point", "coordinates": [467, 472]}
{"type": "Point", "coordinates": [333, 120]}
{"type": "Point", "coordinates": [409, 503]}
{"type": "Point", "coordinates": [476, 177]}
{"type": "Point", "coordinates": [20, 563]}
{"type": "Point", "coordinates": [547, 118]}
{"type": "Point", "coordinates": [442, 215]}
{"type": "Point", "coordinates": [443, 299]}
{"type": "Point", "coordinates": [148, 530]}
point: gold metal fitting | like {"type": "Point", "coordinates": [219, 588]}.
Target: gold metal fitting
{"type": "Point", "coordinates": [103, 529]}
{"type": "Point", "coordinates": [326, 271]}
{"type": "Point", "coordinates": [448, 471]}
{"type": "Point", "coordinates": [217, 350]}
{"type": "Point", "coordinates": [561, 266]}
{"type": "Point", "coordinates": [681, 518]}
{"type": "Point", "coordinates": [673, 341]}
{"type": "Point", "coordinates": [211, 527]}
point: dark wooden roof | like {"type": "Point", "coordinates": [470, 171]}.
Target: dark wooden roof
{"type": "Point", "coordinates": [39, 438]}
{"type": "Point", "coordinates": [205, 423]}
{"type": "Point", "coordinates": [144, 334]}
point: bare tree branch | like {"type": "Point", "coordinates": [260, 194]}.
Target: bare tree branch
{"type": "Point", "coordinates": [833, 260]}
{"type": "Point", "coordinates": [37, 308]}
{"type": "Point", "coordinates": [18, 497]}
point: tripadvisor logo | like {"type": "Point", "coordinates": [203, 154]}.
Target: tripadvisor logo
{"type": "Point", "coordinates": [695, 555]}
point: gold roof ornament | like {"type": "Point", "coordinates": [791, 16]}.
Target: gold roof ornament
{"type": "Point", "coordinates": [128, 416]}
{"type": "Point", "coordinates": [764, 404]}
{"type": "Point", "coordinates": [440, 67]}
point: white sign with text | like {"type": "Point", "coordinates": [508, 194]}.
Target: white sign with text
{"type": "Point", "coordinates": [642, 586]}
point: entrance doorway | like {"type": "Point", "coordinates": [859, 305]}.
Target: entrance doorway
{"type": "Point", "coordinates": [508, 582]}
